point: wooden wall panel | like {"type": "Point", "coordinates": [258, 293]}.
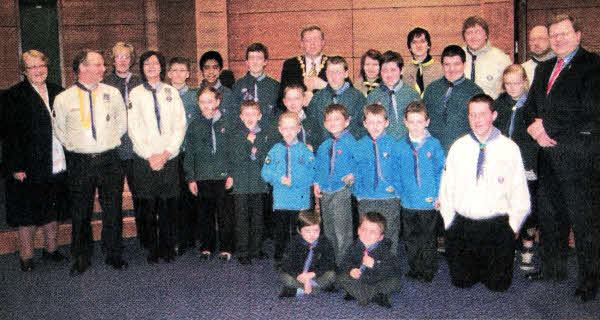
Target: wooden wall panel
{"type": "Point", "coordinates": [565, 4]}
{"type": "Point", "coordinates": [8, 13]}
{"type": "Point", "coordinates": [248, 6]}
{"type": "Point", "coordinates": [280, 32]}
{"type": "Point", "coordinates": [416, 3]}
{"type": "Point", "coordinates": [9, 64]}
{"type": "Point", "coordinates": [177, 33]}
{"type": "Point", "coordinates": [500, 17]}
{"type": "Point", "coordinates": [98, 12]}
{"type": "Point", "coordinates": [211, 5]}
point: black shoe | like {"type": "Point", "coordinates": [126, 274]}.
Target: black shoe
{"type": "Point", "coordinates": [54, 256]}
{"type": "Point", "coordinates": [278, 264]}
{"type": "Point", "coordinates": [244, 260]}
{"type": "Point", "coordinates": [383, 301]}
{"type": "Point", "coordinates": [286, 292]}
{"type": "Point", "coordinates": [26, 265]}
{"type": "Point", "coordinates": [116, 262]}
{"type": "Point", "coordinates": [262, 256]}
{"type": "Point", "coordinates": [535, 276]}
{"type": "Point", "coordinates": [586, 293]}
{"type": "Point", "coordinates": [225, 256]}
{"type": "Point", "coordinates": [332, 288]}
{"type": "Point", "coordinates": [413, 275]}
{"type": "Point", "coordinates": [81, 264]}
{"type": "Point", "coordinates": [427, 277]}
{"type": "Point", "coordinates": [348, 297]}
{"type": "Point", "coordinates": [152, 257]}
{"type": "Point", "coordinates": [168, 255]}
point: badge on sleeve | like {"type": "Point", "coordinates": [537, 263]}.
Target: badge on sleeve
{"type": "Point", "coordinates": [429, 200]}
{"type": "Point", "coordinates": [107, 117]}
{"type": "Point", "coordinates": [429, 154]}
{"type": "Point", "coordinates": [385, 154]}
{"type": "Point", "coordinates": [169, 96]}
{"type": "Point", "coordinates": [106, 97]}
{"type": "Point", "coordinates": [339, 151]}
{"type": "Point", "coordinates": [267, 160]}
{"type": "Point", "coordinates": [500, 179]}
{"type": "Point", "coordinates": [130, 105]}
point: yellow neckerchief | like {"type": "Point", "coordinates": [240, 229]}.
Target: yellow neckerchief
{"type": "Point", "coordinates": [421, 65]}
{"type": "Point", "coordinates": [86, 117]}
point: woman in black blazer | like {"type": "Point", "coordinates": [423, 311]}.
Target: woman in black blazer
{"type": "Point", "coordinates": [34, 160]}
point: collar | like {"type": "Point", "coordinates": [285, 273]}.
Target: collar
{"type": "Point", "coordinates": [183, 89]}
{"type": "Point", "coordinates": [422, 139]}
{"type": "Point", "coordinates": [83, 86]}
{"type": "Point", "coordinates": [546, 57]}
{"type": "Point", "coordinates": [570, 56]}
{"type": "Point", "coordinates": [371, 247]}
{"type": "Point", "coordinates": [317, 61]}
{"type": "Point", "coordinates": [379, 137]}
{"type": "Point", "coordinates": [302, 115]}
{"type": "Point", "coordinates": [481, 51]}
{"type": "Point", "coordinates": [343, 133]}
{"type": "Point", "coordinates": [494, 133]}
{"type": "Point", "coordinates": [294, 142]}
{"type": "Point", "coordinates": [308, 244]}
{"type": "Point", "coordinates": [457, 82]}
{"type": "Point", "coordinates": [254, 130]}
{"type": "Point", "coordinates": [259, 78]}
{"type": "Point", "coordinates": [426, 62]}
{"type": "Point", "coordinates": [341, 90]}
{"type": "Point", "coordinates": [394, 88]}
{"type": "Point", "coordinates": [214, 118]}
{"type": "Point", "coordinates": [149, 87]}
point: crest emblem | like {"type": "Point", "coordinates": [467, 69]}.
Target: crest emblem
{"type": "Point", "coordinates": [108, 117]}
{"type": "Point", "coordinates": [500, 179]}
{"type": "Point", "coordinates": [106, 97]}
{"type": "Point", "coordinates": [429, 154]}
{"type": "Point", "coordinates": [385, 154]}
{"type": "Point", "coordinates": [339, 151]}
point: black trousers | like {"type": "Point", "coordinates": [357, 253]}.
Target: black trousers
{"type": "Point", "coordinates": [127, 172]}
{"type": "Point", "coordinates": [567, 196]}
{"type": "Point", "coordinates": [285, 229]}
{"type": "Point", "coordinates": [249, 223]}
{"type": "Point", "coordinates": [214, 212]}
{"type": "Point", "coordinates": [419, 235]}
{"type": "Point", "coordinates": [365, 291]}
{"type": "Point", "coordinates": [186, 220]}
{"type": "Point", "coordinates": [86, 172]}
{"type": "Point", "coordinates": [159, 223]}
{"type": "Point", "coordinates": [480, 250]}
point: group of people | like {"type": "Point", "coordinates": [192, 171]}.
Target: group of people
{"type": "Point", "coordinates": [414, 148]}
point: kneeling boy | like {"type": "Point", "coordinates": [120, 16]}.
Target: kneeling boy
{"type": "Point", "coordinates": [308, 262]}
{"type": "Point", "coordinates": [369, 270]}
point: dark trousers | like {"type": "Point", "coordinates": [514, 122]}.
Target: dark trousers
{"type": "Point", "coordinates": [365, 291]}
{"type": "Point", "coordinates": [567, 196]}
{"type": "Point", "coordinates": [127, 172]}
{"type": "Point", "coordinates": [249, 223]}
{"type": "Point", "coordinates": [213, 212]}
{"type": "Point", "coordinates": [480, 250]}
{"type": "Point", "coordinates": [420, 240]}
{"type": "Point", "coordinates": [159, 223]}
{"type": "Point", "coordinates": [86, 173]}
{"type": "Point", "coordinates": [186, 220]}
{"type": "Point", "coordinates": [285, 230]}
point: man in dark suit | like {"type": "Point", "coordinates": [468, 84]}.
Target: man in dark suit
{"type": "Point", "coordinates": [309, 68]}
{"type": "Point", "coordinates": [562, 113]}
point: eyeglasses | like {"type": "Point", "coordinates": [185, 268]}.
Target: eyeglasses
{"type": "Point", "coordinates": [148, 64]}
{"type": "Point", "coordinates": [561, 35]}
{"type": "Point", "coordinates": [39, 66]}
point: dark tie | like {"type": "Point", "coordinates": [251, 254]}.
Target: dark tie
{"type": "Point", "coordinates": [555, 73]}
{"type": "Point", "coordinates": [473, 58]}
{"type": "Point", "coordinates": [377, 164]}
{"type": "Point", "coordinates": [393, 104]}
{"type": "Point", "coordinates": [82, 87]}
{"type": "Point", "coordinates": [482, 145]}
{"type": "Point", "coordinates": [334, 96]}
{"type": "Point", "coordinates": [446, 98]}
{"type": "Point", "coordinates": [332, 158]}
{"type": "Point", "coordinates": [288, 161]}
{"type": "Point", "coordinates": [156, 108]}
{"type": "Point", "coordinates": [420, 82]}
{"type": "Point", "coordinates": [255, 91]}
{"type": "Point", "coordinates": [309, 258]}
{"type": "Point", "coordinates": [416, 160]}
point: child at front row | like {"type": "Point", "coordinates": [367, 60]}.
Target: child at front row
{"type": "Point", "coordinates": [369, 271]}
{"type": "Point", "coordinates": [335, 165]}
{"type": "Point", "coordinates": [375, 175]}
{"type": "Point", "coordinates": [308, 263]}
{"type": "Point", "coordinates": [289, 168]}
{"type": "Point", "coordinates": [249, 145]}
{"type": "Point", "coordinates": [420, 161]}
{"type": "Point", "coordinates": [205, 167]}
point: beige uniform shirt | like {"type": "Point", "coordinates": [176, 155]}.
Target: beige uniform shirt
{"type": "Point", "coordinates": [143, 127]}
{"type": "Point", "coordinates": [489, 66]}
{"type": "Point", "coordinates": [72, 119]}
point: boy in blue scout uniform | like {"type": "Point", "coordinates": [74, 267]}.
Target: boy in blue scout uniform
{"type": "Point", "coordinates": [289, 168]}
{"type": "Point", "coordinates": [419, 160]}
{"type": "Point", "coordinates": [375, 175]}
{"type": "Point", "coordinates": [335, 165]}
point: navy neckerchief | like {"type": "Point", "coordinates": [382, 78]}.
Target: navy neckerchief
{"type": "Point", "coordinates": [335, 93]}
{"type": "Point", "coordinates": [332, 153]}
{"type": "Point", "coordinates": [309, 257]}
{"type": "Point", "coordinates": [515, 108]}
{"type": "Point", "coordinates": [415, 150]}
{"type": "Point", "coordinates": [392, 93]}
{"type": "Point", "coordinates": [446, 98]}
{"type": "Point", "coordinates": [482, 146]}
{"type": "Point", "coordinates": [288, 157]}
{"type": "Point", "coordinates": [148, 87]}
{"type": "Point", "coordinates": [89, 92]}
{"type": "Point", "coordinates": [183, 89]}
{"type": "Point", "coordinates": [213, 137]}
{"type": "Point", "coordinates": [378, 171]}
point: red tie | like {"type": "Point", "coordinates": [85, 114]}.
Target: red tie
{"type": "Point", "coordinates": [554, 74]}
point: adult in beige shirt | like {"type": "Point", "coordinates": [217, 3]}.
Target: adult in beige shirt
{"type": "Point", "coordinates": [89, 120]}
{"type": "Point", "coordinates": [156, 127]}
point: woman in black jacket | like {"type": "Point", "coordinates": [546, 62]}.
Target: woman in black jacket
{"type": "Point", "coordinates": [34, 160]}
